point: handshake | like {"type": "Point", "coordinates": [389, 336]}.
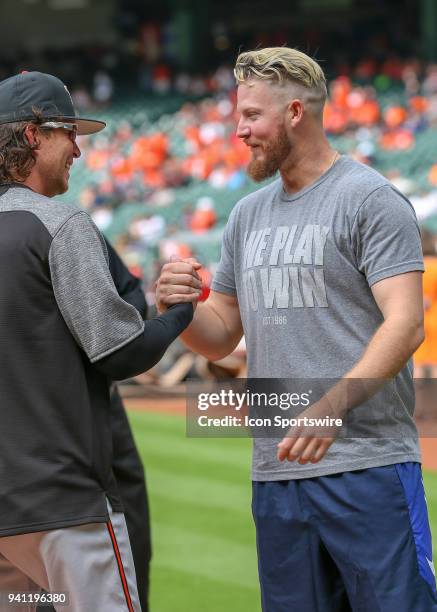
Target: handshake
{"type": "Point", "coordinates": [179, 282]}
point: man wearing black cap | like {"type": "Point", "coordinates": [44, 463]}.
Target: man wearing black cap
{"type": "Point", "coordinates": [65, 333]}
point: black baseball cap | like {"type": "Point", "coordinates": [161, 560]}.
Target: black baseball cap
{"type": "Point", "coordinates": [23, 92]}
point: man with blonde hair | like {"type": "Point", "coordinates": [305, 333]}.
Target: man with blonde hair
{"type": "Point", "coordinates": [321, 269]}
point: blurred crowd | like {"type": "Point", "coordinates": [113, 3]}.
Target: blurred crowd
{"type": "Point", "coordinates": [198, 144]}
{"type": "Point", "coordinates": [358, 106]}
{"type": "Point", "coordinates": [376, 108]}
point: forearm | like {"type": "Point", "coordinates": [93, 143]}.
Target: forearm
{"type": "Point", "coordinates": [146, 350]}
{"type": "Point", "coordinates": [208, 334]}
{"type": "Point", "coordinates": [389, 350]}
{"type": "Point", "coordinates": [386, 354]}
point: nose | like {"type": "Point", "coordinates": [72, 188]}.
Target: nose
{"type": "Point", "coordinates": [243, 130]}
{"type": "Point", "coordinates": [76, 151]}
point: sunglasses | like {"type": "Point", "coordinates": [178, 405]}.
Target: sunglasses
{"type": "Point", "coordinates": [71, 128]}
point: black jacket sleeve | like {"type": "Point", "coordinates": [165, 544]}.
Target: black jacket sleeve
{"type": "Point", "coordinates": [128, 286]}
{"type": "Point", "coordinates": [146, 350]}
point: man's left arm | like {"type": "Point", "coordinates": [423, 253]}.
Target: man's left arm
{"type": "Point", "coordinates": [400, 300]}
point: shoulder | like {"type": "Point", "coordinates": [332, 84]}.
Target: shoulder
{"type": "Point", "coordinates": [54, 213]}
{"type": "Point", "coordinates": [359, 178]}
{"type": "Point", "coordinates": [363, 186]}
{"type": "Point", "coordinates": [75, 231]}
{"type": "Point", "coordinates": [51, 212]}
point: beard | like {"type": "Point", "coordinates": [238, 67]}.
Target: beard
{"type": "Point", "coordinates": [58, 184]}
{"type": "Point", "coordinates": [275, 154]}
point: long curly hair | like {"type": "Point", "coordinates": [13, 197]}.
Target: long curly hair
{"type": "Point", "coordinates": [17, 156]}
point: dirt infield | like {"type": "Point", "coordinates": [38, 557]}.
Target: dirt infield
{"type": "Point", "coordinates": [177, 405]}
{"type": "Point", "coordinates": [167, 405]}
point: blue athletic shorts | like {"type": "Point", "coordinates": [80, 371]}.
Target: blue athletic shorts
{"type": "Point", "coordinates": [355, 541]}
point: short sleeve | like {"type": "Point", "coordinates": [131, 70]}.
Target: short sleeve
{"type": "Point", "coordinates": [224, 278]}
{"type": "Point", "coordinates": [99, 320]}
{"type": "Point", "coordinates": [386, 236]}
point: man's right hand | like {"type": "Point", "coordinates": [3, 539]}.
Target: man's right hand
{"type": "Point", "coordinates": [178, 283]}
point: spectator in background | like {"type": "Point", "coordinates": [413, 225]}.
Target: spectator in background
{"type": "Point", "coordinates": [204, 216]}
{"type": "Point", "coordinates": [103, 88]}
{"type": "Point", "coordinates": [81, 98]}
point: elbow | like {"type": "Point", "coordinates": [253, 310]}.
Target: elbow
{"type": "Point", "coordinates": [220, 352]}
{"type": "Point", "coordinates": [117, 369]}
{"type": "Point", "coordinates": [136, 357]}
{"type": "Point", "coordinates": [414, 333]}
{"type": "Point", "coordinates": [216, 355]}
{"type": "Point", "coordinates": [418, 337]}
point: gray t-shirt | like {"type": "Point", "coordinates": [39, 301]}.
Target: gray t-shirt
{"type": "Point", "coordinates": [302, 267]}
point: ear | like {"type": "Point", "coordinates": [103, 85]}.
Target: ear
{"type": "Point", "coordinates": [31, 134]}
{"type": "Point", "coordinates": [295, 112]}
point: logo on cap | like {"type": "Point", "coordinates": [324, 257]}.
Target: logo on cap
{"type": "Point", "coordinates": [66, 89]}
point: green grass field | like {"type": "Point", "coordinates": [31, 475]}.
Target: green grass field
{"type": "Point", "coordinates": [204, 556]}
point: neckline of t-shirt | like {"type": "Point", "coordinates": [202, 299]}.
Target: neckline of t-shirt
{"type": "Point", "coordinates": [286, 197]}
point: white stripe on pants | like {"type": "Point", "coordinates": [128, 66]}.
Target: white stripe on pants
{"type": "Point", "coordinates": [79, 561]}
